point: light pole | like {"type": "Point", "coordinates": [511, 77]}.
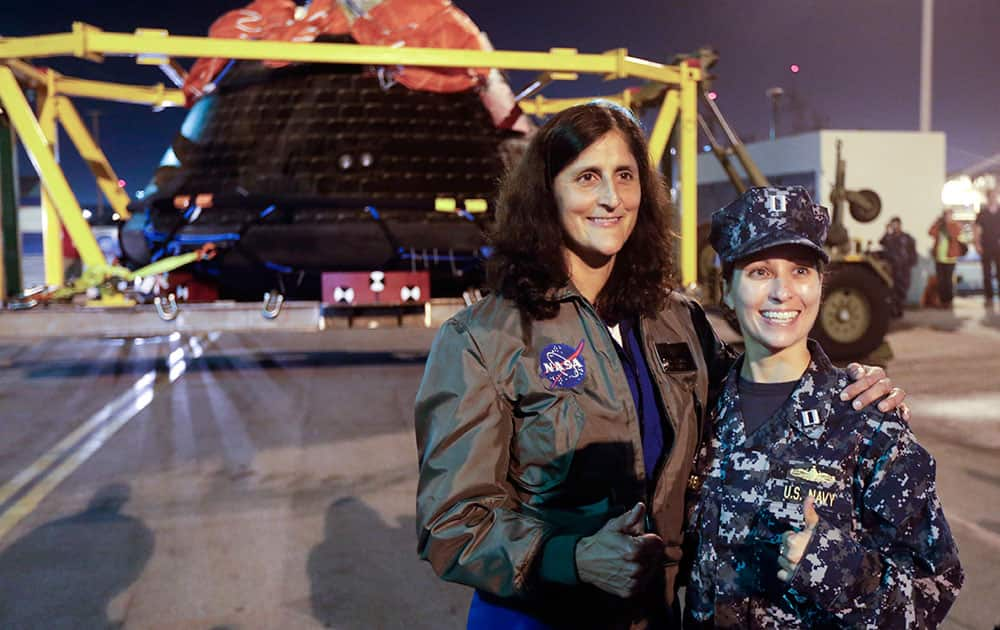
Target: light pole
{"type": "Point", "coordinates": [774, 93]}
{"type": "Point", "coordinates": [926, 64]}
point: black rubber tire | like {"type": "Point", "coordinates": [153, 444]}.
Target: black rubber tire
{"type": "Point", "coordinates": [854, 316]}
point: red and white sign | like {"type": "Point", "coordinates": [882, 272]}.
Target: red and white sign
{"type": "Point", "coordinates": [376, 288]}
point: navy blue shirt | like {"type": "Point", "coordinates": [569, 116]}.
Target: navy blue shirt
{"type": "Point", "coordinates": [657, 436]}
{"type": "Point", "coordinates": [760, 401]}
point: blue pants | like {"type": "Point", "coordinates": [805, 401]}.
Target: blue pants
{"type": "Point", "coordinates": [484, 615]}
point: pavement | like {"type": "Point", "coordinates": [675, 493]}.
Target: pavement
{"type": "Point", "coordinates": [267, 480]}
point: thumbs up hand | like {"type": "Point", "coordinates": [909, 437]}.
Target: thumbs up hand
{"type": "Point", "coordinates": [793, 544]}
{"type": "Point", "coordinates": [621, 557]}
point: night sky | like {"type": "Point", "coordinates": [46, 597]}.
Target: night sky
{"type": "Point", "coordinates": [859, 62]}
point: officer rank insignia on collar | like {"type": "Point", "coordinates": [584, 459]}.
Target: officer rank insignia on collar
{"type": "Point", "coordinates": [810, 418]}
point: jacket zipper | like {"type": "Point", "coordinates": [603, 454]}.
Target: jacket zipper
{"type": "Point", "coordinates": [632, 414]}
{"type": "Point", "coordinates": [662, 465]}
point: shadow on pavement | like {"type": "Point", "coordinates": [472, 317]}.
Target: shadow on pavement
{"type": "Point", "coordinates": [365, 574]}
{"type": "Point", "coordinates": [63, 574]}
{"type": "Point", "coordinates": [984, 476]}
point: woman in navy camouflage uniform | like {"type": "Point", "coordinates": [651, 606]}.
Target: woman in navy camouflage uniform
{"type": "Point", "coordinates": [812, 513]}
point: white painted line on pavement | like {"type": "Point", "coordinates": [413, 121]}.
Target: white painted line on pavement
{"type": "Point", "coordinates": [100, 427]}
{"type": "Point", "coordinates": [984, 535]}
{"type": "Point", "coordinates": [976, 407]}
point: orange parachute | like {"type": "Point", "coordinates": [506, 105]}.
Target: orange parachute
{"type": "Point", "coordinates": [423, 24]}
{"type": "Point", "coordinates": [414, 23]}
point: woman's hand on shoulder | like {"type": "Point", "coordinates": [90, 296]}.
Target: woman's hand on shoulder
{"type": "Point", "coordinates": [620, 557]}
{"type": "Point", "coordinates": [870, 384]}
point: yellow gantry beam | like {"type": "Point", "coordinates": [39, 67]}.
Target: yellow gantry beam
{"type": "Point", "coordinates": [541, 106]}
{"type": "Point", "coordinates": [27, 72]}
{"type": "Point", "coordinates": [92, 43]}
{"type": "Point", "coordinates": [689, 174]}
{"type": "Point", "coordinates": [52, 248]}
{"type": "Point", "coordinates": [661, 129]}
{"type": "Point", "coordinates": [57, 191]}
{"type": "Point", "coordinates": [59, 45]}
{"type": "Point", "coordinates": [159, 96]}
{"type": "Point", "coordinates": [156, 95]}
{"type": "Point", "coordinates": [98, 163]}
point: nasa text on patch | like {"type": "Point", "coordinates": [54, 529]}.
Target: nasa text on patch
{"type": "Point", "coordinates": [563, 366]}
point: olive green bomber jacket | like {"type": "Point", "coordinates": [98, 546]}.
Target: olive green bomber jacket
{"type": "Point", "coordinates": [529, 439]}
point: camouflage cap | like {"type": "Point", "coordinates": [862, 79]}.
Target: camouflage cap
{"type": "Point", "coordinates": [765, 217]}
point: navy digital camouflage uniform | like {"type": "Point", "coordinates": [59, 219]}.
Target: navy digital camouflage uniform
{"type": "Point", "coordinates": [882, 555]}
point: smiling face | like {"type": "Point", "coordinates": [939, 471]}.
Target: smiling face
{"type": "Point", "coordinates": [597, 196]}
{"type": "Point", "coordinates": [776, 295]}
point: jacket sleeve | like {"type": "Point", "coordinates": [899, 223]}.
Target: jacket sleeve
{"type": "Point", "coordinates": [904, 570]}
{"type": "Point", "coordinates": [719, 356]}
{"type": "Point", "coordinates": [468, 525]}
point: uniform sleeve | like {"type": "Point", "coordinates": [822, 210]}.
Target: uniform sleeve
{"type": "Point", "coordinates": [904, 571]}
{"type": "Point", "coordinates": [468, 526]}
{"type": "Point", "coordinates": [719, 357]}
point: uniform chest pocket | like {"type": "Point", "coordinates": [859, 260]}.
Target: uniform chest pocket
{"type": "Point", "coordinates": [741, 492]}
{"type": "Point", "coordinates": [544, 444]}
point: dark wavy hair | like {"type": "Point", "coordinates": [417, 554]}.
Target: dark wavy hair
{"type": "Point", "coordinates": [528, 265]}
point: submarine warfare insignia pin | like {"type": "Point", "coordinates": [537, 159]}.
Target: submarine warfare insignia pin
{"type": "Point", "coordinates": [813, 475]}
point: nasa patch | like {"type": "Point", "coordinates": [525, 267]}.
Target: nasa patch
{"type": "Point", "coordinates": [562, 365]}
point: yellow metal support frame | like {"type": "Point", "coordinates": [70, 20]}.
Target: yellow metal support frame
{"type": "Point", "coordinates": [51, 232]}
{"type": "Point", "coordinates": [157, 95]}
{"type": "Point", "coordinates": [98, 163]}
{"type": "Point", "coordinates": [59, 197]}
{"type": "Point", "coordinates": [680, 100]}
{"type": "Point", "coordinates": [689, 175]}
{"type": "Point", "coordinates": [93, 43]}
{"type": "Point", "coordinates": [59, 203]}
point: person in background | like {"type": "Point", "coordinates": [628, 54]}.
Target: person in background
{"type": "Point", "coordinates": [558, 417]}
{"type": "Point", "coordinates": [901, 252]}
{"type": "Point", "coordinates": [946, 250]}
{"type": "Point", "coordinates": [811, 514]}
{"type": "Point", "coordinates": [72, 264]}
{"type": "Point", "coordinates": [986, 233]}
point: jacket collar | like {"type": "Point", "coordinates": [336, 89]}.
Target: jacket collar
{"type": "Point", "coordinates": [565, 292]}
{"type": "Point", "coordinates": [808, 409]}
